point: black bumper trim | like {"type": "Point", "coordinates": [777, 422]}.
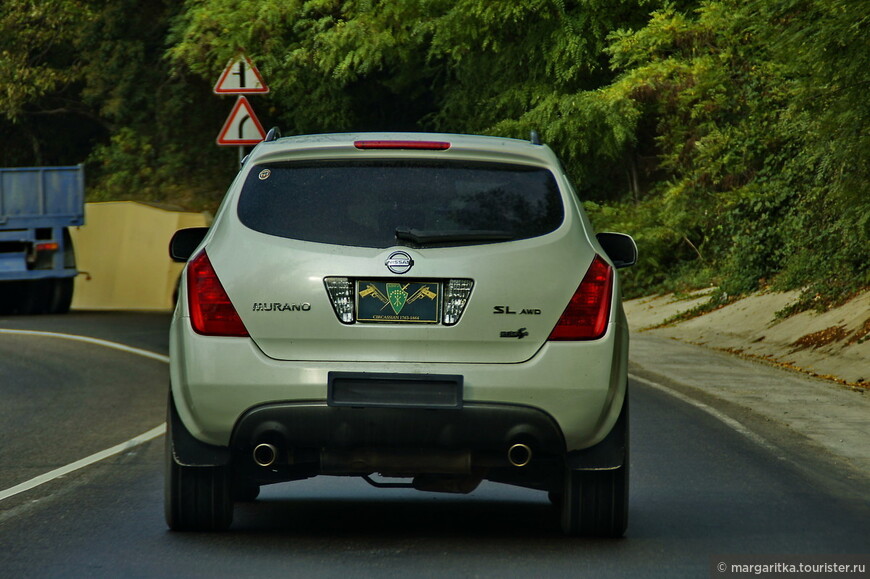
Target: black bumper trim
{"type": "Point", "coordinates": [477, 426]}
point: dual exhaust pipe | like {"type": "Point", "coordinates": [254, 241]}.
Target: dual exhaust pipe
{"type": "Point", "coordinates": [519, 455]}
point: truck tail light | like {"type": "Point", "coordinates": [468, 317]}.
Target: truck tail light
{"type": "Point", "coordinates": [587, 314]}
{"type": "Point", "coordinates": [211, 311]}
{"type": "Point", "coordinates": [47, 246]}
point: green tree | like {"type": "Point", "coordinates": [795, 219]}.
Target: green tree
{"type": "Point", "coordinates": [40, 76]}
{"type": "Point", "coordinates": [760, 132]}
{"type": "Point", "coordinates": [455, 66]}
{"type": "Point", "coordinates": [730, 137]}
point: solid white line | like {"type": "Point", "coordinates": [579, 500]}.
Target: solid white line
{"type": "Point", "coordinates": [104, 454]}
{"type": "Point", "coordinates": [725, 419]}
{"type": "Point", "coordinates": [105, 343]}
{"type": "Point", "coordinates": [72, 467]}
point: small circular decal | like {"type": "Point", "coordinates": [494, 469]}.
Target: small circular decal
{"type": "Point", "coordinates": [399, 262]}
{"type": "Point", "coordinates": [265, 174]}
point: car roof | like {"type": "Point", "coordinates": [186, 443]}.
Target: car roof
{"type": "Point", "coordinates": [343, 145]}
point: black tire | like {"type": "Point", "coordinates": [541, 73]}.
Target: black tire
{"type": "Point", "coordinates": [196, 498]}
{"type": "Point", "coordinates": [594, 503]}
{"type": "Point", "coordinates": [245, 492]}
{"type": "Point", "coordinates": [30, 297]}
{"type": "Point", "coordinates": [61, 295]}
{"type": "Point", "coordinates": [7, 298]}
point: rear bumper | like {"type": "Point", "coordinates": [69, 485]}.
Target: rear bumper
{"type": "Point", "coordinates": [310, 439]}
{"type": "Point", "coordinates": [569, 395]}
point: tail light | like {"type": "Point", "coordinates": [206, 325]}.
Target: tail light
{"type": "Point", "coordinates": [587, 314]}
{"type": "Point", "coordinates": [211, 312]}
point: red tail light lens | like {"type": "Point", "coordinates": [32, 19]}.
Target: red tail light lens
{"type": "Point", "coordinates": [430, 145]}
{"type": "Point", "coordinates": [211, 312]}
{"type": "Point", "coordinates": [586, 316]}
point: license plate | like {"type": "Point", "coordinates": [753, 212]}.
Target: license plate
{"type": "Point", "coordinates": [362, 389]}
{"type": "Point", "coordinates": [398, 301]}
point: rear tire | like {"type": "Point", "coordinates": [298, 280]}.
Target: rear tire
{"type": "Point", "coordinates": [245, 492]}
{"type": "Point", "coordinates": [196, 498]}
{"type": "Point", "coordinates": [61, 295]}
{"type": "Point", "coordinates": [595, 502]}
{"type": "Point", "coordinates": [26, 297]}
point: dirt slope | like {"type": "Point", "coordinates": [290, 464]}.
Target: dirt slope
{"type": "Point", "coordinates": [833, 345]}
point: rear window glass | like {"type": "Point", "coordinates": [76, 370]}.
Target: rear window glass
{"type": "Point", "coordinates": [364, 203]}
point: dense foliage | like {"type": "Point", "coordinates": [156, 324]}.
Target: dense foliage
{"type": "Point", "coordinates": [730, 137]}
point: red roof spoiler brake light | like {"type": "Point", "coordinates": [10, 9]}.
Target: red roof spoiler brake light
{"type": "Point", "coordinates": [426, 145]}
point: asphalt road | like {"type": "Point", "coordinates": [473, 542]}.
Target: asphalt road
{"type": "Point", "coordinates": [700, 491]}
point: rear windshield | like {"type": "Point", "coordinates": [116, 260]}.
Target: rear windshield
{"type": "Point", "coordinates": [400, 202]}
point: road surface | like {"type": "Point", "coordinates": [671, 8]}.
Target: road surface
{"type": "Point", "coordinates": [701, 491]}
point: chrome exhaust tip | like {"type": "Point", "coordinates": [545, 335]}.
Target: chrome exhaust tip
{"type": "Point", "coordinates": [265, 454]}
{"type": "Point", "coordinates": [519, 455]}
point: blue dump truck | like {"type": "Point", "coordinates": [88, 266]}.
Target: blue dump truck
{"type": "Point", "coordinates": [37, 262]}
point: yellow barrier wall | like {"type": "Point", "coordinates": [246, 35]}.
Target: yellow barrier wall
{"type": "Point", "coordinates": [123, 258]}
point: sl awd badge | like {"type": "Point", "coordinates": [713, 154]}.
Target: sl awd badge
{"type": "Point", "coordinates": [399, 262]}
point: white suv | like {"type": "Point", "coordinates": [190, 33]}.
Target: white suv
{"type": "Point", "coordinates": [430, 307]}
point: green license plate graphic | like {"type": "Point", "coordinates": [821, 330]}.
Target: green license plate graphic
{"type": "Point", "coordinates": [399, 301]}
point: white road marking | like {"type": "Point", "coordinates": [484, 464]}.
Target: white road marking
{"type": "Point", "coordinates": [72, 467]}
{"type": "Point", "coordinates": [104, 454]}
{"type": "Point", "coordinates": [99, 342]}
{"type": "Point", "coordinates": [725, 419]}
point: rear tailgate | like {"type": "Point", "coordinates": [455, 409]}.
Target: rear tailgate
{"type": "Point", "coordinates": [520, 290]}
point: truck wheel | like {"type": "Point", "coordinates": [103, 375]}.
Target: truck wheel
{"type": "Point", "coordinates": [61, 295]}
{"type": "Point", "coordinates": [30, 297]}
{"type": "Point", "coordinates": [7, 297]}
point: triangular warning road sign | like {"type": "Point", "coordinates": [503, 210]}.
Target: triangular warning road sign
{"type": "Point", "coordinates": [242, 126]}
{"type": "Point", "coordinates": [240, 77]}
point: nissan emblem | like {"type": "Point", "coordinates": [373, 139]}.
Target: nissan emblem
{"type": "Point", "coordinates": [399, 262]}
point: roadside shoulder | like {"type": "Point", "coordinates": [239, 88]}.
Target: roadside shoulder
{"type": "Point", "coordinates": [789, 411]}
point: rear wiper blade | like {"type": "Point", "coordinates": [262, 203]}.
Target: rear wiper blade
{"type": "Point", "coordinates": [424, 237]}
